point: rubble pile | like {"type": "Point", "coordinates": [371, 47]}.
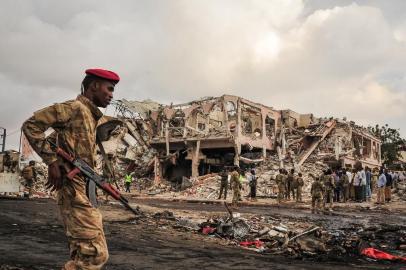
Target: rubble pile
{"type": "Point", "coordinates": [42, 176]}
{"type": "Point", "coordinates": [400, 189]}
{"type": "Point", "coordinates": [213, 132]}
{"type": "Point", "coordinates": [153, 141]}
{"type": "Point", "coordinates": [205, 186]}
{"type": "Point", "coordinates": [39, 189]}
{"type": "Point", "coordinates": [267, 172]}
{"type": "Point", "coordinates": [160, 188]}
{"type": "Point", "coordinates": [294, 237]}
{"type": "Point", "coordinates": [126, 148]}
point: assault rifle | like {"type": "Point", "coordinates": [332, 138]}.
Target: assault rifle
{"type": "Point", "coordinates": [80, 166]}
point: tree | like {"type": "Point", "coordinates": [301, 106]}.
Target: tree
{"type": "Point", "coordinates": [391, 143]}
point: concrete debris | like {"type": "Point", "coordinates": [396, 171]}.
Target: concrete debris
{"type": "Point", "coordinates": [180, 143]}
{"type": "Point", "coordinates": [126, 150]}
{"type": "Point", "coordinates": [39, 190]}
{"type": "Point", "coordinates": [400, 188]}
{"type": "Point", "coordinates": [182, 148]}
{"type": "Point", "coordinates": [264, 235]}
{"type": "Point", "coordinates": [164, 215]}
{"type": "Point", "coordinates": [188, 224]}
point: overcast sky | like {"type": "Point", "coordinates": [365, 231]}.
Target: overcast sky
{"type": "Point", "coordinates": [330, 58]}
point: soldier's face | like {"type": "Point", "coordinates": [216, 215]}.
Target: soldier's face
{"type": "Point", "coordinates": [103, 94]}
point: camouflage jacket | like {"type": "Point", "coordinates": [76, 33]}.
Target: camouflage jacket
{"type": "Point", "coordinates": [235, 180]}
{"type": "Point", "coordinates": [75, 123]}
{"type": "Point", "coordinates": [328, 182]}
{"type": "Point", "coordinates": [317, 189]}
{"type": "Point", "coordinates": [280, 180]}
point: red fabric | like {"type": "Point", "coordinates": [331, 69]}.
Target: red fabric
{"type": "Point", "coordinates": [208, 230]}
{"type": "Point", "coordinates": [104, 74]}
{"type": "Point", "coordinates": [380, 255]}
{"type": "Point", "coordinates": [257, 243]}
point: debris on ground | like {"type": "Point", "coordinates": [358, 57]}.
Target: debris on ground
{"type": "Point", "coordinates": [296, 238]}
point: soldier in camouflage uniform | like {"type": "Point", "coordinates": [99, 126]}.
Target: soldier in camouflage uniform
{"type": "Point", "coordinates": [317, 194]}
{"type": "Point", "coordinates": [281, 182]}
{"type": "Point", "coordinates": [289, 184]}
{"type": "Point", "coordinates": [223, 184]}
{"type": "Point", "coordinates": [236, 186]}
{"type": "Point", "coordinates": [30, 175]}
{"type": "Point", "coordinates": [75, 123]}
{"type": "Point", "coordinates": [300, 184]}
{"type": "Point", "coordinates": [329, 185]}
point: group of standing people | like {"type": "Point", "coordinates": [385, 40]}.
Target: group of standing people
{"type": "Point", "coordinates": [235, 179]}
{"type": "Point", "coordinates": [289, 183]}
{"type": "Point", "coordinates": [338, 186]}
{"type": "Point", "coordinates": [356, 185]}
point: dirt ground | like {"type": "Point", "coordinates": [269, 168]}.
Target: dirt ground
{"type": "Point", "coordinates": [31, 237]}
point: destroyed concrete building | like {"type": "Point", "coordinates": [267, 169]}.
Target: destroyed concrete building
{"type": "Point", "coordinates": [335, 140]}
{"type": "Point", "coordinates": [203, 136]}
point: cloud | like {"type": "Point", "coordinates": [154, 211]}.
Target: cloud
{"type": "Point", "coordinates": [327, 57]}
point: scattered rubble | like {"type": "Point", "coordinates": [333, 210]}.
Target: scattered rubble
{"type": "Point", "coordinates": [199, 138]}
{"type": "Point", "coordinates": [295, 238]}
{"type": "Point", "coordinates": [400, 187]}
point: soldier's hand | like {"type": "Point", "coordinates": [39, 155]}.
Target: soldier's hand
{"type": "Point", "coordinates": [54, 177]}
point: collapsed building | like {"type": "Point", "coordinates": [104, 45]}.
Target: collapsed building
{"type": "Point", "coordinates": [335, 140]}
{"type": "Point", "coordinates": [206, 135]}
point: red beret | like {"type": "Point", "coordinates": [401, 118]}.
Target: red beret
{"type": "Point", "coordinates": [104, 74]}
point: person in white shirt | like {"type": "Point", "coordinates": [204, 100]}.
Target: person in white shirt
{"type": "Point", "coordinates": [360, 180]}
{"type": "Point", "coordinates": [381, 183]}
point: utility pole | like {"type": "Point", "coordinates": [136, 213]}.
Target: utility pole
{"type": "Point", "coordinates": [3, 134]}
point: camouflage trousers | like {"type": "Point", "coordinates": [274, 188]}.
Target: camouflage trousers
{"type": "Point", "coordinates": [236, 195]}
{"type": "Point", "coordinates": [281, 193]}
{"type": "Point", "coordinates": [317, 202]}
{"type": "Point", "coordinates": [328, 198]}
{"type": "Point", "coordinates": [299, 194]}
{"type": "Point", "coordinates": [223, 188]}
{"type": "Point", "coordinates": [83, 228]}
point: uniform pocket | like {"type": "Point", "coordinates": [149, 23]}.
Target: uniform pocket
{"type": "Point", "coordinates": [92, 252]}
{"type": "Point", "coordinates": [87, 249]}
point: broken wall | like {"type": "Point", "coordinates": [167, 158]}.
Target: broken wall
{"type": "Point", "coordinates": [217, 131]}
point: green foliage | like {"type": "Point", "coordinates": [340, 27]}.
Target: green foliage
{"type": "Point", "coordinates": [391, 143]}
